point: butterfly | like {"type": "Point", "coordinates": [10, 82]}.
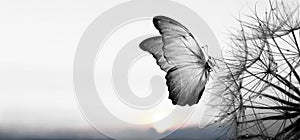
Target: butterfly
{"type": "Point", "coordinates": [177, 52]}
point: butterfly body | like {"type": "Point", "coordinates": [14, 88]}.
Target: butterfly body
{"type": "Point", "coordinates": [177, 52]}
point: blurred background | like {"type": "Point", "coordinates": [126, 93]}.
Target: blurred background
{"type": "Point", "coordinates": [38, 40]}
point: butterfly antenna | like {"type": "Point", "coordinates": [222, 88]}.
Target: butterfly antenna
{"type": "Point", "coordinates": [215, 62]}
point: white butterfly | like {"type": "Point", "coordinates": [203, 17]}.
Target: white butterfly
{"type": "Point", "coordinates": [177, 53]}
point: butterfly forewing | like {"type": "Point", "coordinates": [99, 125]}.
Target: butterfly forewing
{"type": "Point", "coordinates": [173, 32]}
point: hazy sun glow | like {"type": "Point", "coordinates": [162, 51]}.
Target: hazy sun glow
{"type": "Point", "coordinates": [162, 126]}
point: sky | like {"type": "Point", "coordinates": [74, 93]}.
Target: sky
{"type": "Point", "coordinates": [38, 41]}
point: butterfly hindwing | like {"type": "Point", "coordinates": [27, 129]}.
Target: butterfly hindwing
{"type": "Point", "coordinates": [178, 53]}
{"type": "Point", "coordinates": [154, 46]}
{"type": "Point", "coordinates": [186, 84]}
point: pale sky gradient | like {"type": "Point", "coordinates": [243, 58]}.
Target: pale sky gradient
{"type": "Point", "coordinates": [38, 40]}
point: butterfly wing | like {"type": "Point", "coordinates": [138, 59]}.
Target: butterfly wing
{"type": "Point", "coordinates": [154, 46]}
{"type": "Point", "coordinates": [183, 60]}
{"type": "Point", "coordinates": [177, 37]}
